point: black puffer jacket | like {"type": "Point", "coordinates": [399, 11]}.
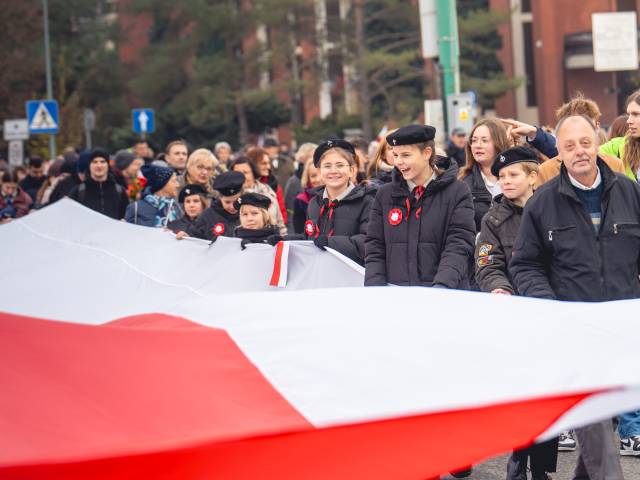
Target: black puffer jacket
{"type": "Point", "coordinates": [214, 216]}
{"type": "Point", "coordinates": [269, 235]}
{"type": "Point", "coordinates": [495, 243]}
{"type": "Point", "coordinates": [432, 249]}
{"type": "Point", "coordinates": [345, 223]}
{"type": "Point", "coordinates": [557, 254]}
{"type": "Point", "coordinates": [481, 196]}
{"type": "Point", "coordinates": [106, 197]}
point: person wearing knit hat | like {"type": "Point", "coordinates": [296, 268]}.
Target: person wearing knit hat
{"type": "Point", "coordinates": [99, 191]}
{"type": "Point", "coordinates": [127, 171]}
{"type": "Point", "coordinates": [193, 199]}
{"type": "Point", "coordinates": [158, 207]}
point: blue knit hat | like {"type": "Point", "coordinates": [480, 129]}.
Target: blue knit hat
{"type": "Point", "coordinates": [83, 162]}
{"type": "Point", "coordinates": [157, 177]}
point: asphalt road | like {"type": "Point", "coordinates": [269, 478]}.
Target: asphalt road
{"type": "Point", "coordinates": [496, 468]}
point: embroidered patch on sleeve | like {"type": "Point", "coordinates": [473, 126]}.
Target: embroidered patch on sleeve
{"type": "Point", "coordinates": [485, 249]}
{"type": "Point", "coordinates": [484, 261]}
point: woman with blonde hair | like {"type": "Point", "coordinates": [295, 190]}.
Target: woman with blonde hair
{"type": "Point", "coordinates": [381, 165]}
{"type": "Point", "coordinates": [487, 140]}
{"type": "Point", "coordinates": [310, 181]}
{"type": "Point", "coordinates": [200, 170]}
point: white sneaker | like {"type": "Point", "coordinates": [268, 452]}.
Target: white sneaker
{"type": "Point", "coordinates": [566, 443]}
{"type": "Point", "coordinates": [630, 446]}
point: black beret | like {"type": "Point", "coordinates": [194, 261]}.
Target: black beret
{"type": "Point", "coordinates": [511, 156]}
{"type": "Point", "coordinates": [255, 199]}
{"type": "Point", "coordinates": [229, 183]}
{"type": "Point", "coordinates": [328, 145]}
{"type": "Point", "coordinates": [97, 153]}
{"type": "Point", "coordinates": [191, 189]}
{"type": "Point", "coordinates": [411, 134]}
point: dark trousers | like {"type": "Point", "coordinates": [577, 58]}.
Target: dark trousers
{"type": "Point", "coordinates": [543, 457]}
{"type": "Point", "coordinates": [598, 459]}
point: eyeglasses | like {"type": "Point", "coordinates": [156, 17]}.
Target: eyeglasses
{"type": "Point", "coordinates": [202, 167]}
{"type": "Point", "coordinates": [331, 166]}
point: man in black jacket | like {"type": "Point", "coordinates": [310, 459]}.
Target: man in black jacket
{"type": "Point", "coordinates": [99, 191]}
{"type": "Point", "coordinates": [35, 178]}
{"type": "Point", "coordinates": [579, 240]}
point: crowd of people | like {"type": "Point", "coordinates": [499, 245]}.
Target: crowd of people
{"type": "Point", "coordinates": [507, 208]}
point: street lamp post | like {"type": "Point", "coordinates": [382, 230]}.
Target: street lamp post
{"type": "Point", "coordinates": [47, 59]}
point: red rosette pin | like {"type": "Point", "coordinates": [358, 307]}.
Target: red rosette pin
{"type": "Point", "coordinates": [218, 229]}
{"type": "Point", "coordinates": [309, 228]}
{"type": "Point", "coordinates": [395, 216]}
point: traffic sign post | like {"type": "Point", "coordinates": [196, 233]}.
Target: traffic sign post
{"type": "Point", "coordinates": [16, 153]}
{"type": "Point", "coordinates": [16, 129]}
{"type": "Point", "coordinates": [89, 122]}
{"type": "Point", "coordinates": [42, 116]}
{"type": "Point", "coordinates": [143, 121]}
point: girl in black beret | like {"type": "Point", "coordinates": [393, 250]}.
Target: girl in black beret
{"type": "Point", "coordinates": [421, 230]}
{"type": "Point", "coordinates": [193, 199]}
{"type": "Point", "coordinates": [338, 212]}
{"type": "Point", "coordinates": [256, 223]}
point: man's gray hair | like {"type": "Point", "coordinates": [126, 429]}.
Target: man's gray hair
{"type": "Point", "coordinates": [587, 119]}
{"type": "Point", "coordinates": [221, 145]}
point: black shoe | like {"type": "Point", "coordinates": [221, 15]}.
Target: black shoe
{"type": "Point", "coordinates": [540, 476]}
{"type": "Point", "coordinates": [462, 473]}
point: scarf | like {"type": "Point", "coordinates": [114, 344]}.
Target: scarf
{"type": "Point", "coordinates": [166, 209]}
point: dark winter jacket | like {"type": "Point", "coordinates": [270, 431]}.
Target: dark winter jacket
{"type": "Point", "coordinates": [31, 185]}
{"type": "Point", "coordinates": [181, 225]}
{"type": "Point", "coordinates": [431, 244]}
{"type": "Point", "coordinates": [300, 207]}
{"type": "Point", "coordinates": [344, 221]}
{"type": "Point", "coordinates": [214, 216]}
{"type": "Point", "coordinates": [495, 243]}
{"type": "Point", "coordinates": [269, 234]}
{"type": "Point", "coordinates": [381, 178]}
{"type": "Point", "coordinates": [64, 187]}
{"type": "Point", "coordinates": [106, 197]}
{"type": "Point", "coordinates": [15, 206]}
{"type": "Point", "coordinates": [557, 253]}
{"type": "Point", "coordinates": [143, 213]}
{"type": "Point", "coordinates": [544, 142]}
{"type": "Point", "coordinates": [481, 196]}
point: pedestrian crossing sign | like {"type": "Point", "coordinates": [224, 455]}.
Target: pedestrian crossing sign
{"type": "Point", "coordinates": [42, 116]}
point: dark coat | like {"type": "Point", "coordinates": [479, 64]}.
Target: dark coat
{"type": "Point", "coordinates": [269, 234]}
{"type": "Point", "coordinates": [481, 196]}
{"type": "Point", "coordinates": [347, 227]}
{"type": "Point", "coordinates": [106, 197]}
{"type": "Point", "coordinates": [64, 187]}
{"type": "Point", "coordinates": [495, 243]}
{"type": "Point", "coordinates": [300, 207]}
{"type": "Point", "coordinates": [215, 214]}
{"type": "Point", "coordinates": [456, 153]}
{"type": "Point", "coordinates": [433, 249]}
{"type": "Point", "coordinates": [557, 254]}
{"type": "Point", "coordinates": [181, 225]}
{"type": "Point", "coordinates": [31, 185]}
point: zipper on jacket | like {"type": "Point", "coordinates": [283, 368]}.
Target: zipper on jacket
{"type": "Point", "coordinates": [617, 226]}
{"type": "Point", "coordinates": [559, 229]}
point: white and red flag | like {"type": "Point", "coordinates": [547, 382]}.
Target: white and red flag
{"type": "Point", "coordinates": [127, 354]}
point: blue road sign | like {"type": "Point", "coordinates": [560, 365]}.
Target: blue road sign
{"type": "Point", "coordinates": [42, 116]}
{"type": "Point", "coordinates": [143, 120]}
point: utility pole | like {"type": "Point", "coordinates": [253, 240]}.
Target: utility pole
{"type": "Point", "coordinates": [449, 49]}
{"type": "Point", "coordinates": [47, 59]}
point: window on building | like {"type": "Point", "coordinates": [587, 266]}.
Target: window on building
{"type": "Point", "coordinates": [525, 6]}
{"type": "Point", "coordinates": [626, 5]}
{"type": "Point", "coordinates": [529, 65]}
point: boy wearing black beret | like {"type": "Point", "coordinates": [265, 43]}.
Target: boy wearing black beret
{"type": "Point", "coordinates": [421, 229]}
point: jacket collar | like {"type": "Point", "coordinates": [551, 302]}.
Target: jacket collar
{"type": "Point", "coordinates": [401, 189]}
{"type": "Point", "coordinates": [565, 187]}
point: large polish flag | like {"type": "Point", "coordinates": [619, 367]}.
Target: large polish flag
{"type": "Point", "coordinates": [127, 354]}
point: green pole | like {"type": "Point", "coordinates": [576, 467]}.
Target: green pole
{"type": "Point", "coordinates": [47, 59]}
{"type": "Point", "coordinates": [449, 50]}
